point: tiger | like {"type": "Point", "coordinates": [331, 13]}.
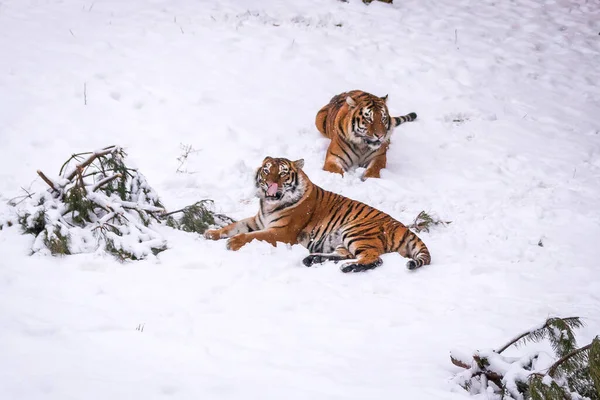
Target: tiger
{"type": "Point", "coordinates": [359, 126]}
{"type": "Point", "coordinates": [332, 227]}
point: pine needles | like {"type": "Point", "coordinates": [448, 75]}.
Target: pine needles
{"type": "Point", "coordinates": [574, 373]}
{"type": "Point", "coordinates": [197, 217]}
{"type": "Point", "coordinates": [424, 221]}
{"type": "Point", "coordinates": [99, 203]}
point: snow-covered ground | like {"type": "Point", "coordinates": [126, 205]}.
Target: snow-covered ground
{"type": "Point", "coordinates": [507, 147]}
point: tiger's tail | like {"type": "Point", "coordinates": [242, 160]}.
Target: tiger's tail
{"type": "Point", "coordinates": [411, 246]}
{"type": "Point", "coordinates": [405, 118]}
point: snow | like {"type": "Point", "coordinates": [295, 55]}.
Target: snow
{"type": "Point", "coordinates": [506, 147]}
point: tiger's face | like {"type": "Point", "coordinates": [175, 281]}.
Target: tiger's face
{"type": "Point", "coordinates": [278, 180]}
{"type": "Point", "coordinates": [371, 123]}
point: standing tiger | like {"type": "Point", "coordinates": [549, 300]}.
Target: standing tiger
{"type": "Point", "coordinates": [332, 227]}
{"type": "Point", "coordinates": [359, 126]}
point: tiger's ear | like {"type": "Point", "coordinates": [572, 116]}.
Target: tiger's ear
{"type": "Point", "coordinates": [350, 101]}
{"type": "Point", "coordinates": [384, 98]}
{"type": "Point", "coordinates": [299, 163]}
{"type": "Point", "coordinates": [267, 158]}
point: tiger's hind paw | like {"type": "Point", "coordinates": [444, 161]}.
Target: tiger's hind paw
{"type": "Point", "coordinates": [361, 267]}
{"type": "Point", "coordinates": [312, 259]}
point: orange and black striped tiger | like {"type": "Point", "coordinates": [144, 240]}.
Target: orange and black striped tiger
{"type": "Point", "coordinates": [359, 126]}
{"type": "Point", "coordinates": [332, 227]}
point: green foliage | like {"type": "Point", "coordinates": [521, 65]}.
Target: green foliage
{"type": "Point", "coordinates": [558, 331]}
{"type": "Point", "coordinates": [575, 373]}
{"type": "Point", "coordinates": [424, 221]}
{"type": "Point", "coordinates": [197, 218]}
{"type": "Point", "coordinates": [116, 165]}
{"type": "Point", "coordinates": [538, 390]}
{"type": "Point", "coordinates": [118, 252]}
{"type": "Point", "coordinates": [33, 224]}
{"type": "Point", "coordinates": [79, 205]}
{"type": "Point", "coordinates": [57, 243]}
{"type": "Point", "coordinates": [594, 363]}
{"type": "Point", "coordinates": [99, 202]}
{"type": "Point", "coordinates": [561, 336]}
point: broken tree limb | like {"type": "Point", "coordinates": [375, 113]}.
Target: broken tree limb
{"type": "Point", "coordinates": [105, 181]}
{"type": "Point", "coordinates": [47, 180]}
{"type": "Point", "coordinates": [89, 160]}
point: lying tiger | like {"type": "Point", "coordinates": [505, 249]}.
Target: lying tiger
{"type": "Point", "coordinates": [332, 227]}
{"type": "Point", "coordinates": [359, 126]}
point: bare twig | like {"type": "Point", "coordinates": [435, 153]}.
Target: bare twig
{"type": "Point", "coordinates": [187, 150]}
{"type": "Point", "coordinates": [173, 212]}
{"type": "Point", "coordinates": [84, 93]}
{"type": "Point", "coordinates": [105, 181]}
{"type": "Point", "coordinates": [456, 38]}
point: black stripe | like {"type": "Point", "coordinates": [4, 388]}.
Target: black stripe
{"type": "Point", "coordinates": [278, 218]}
{"type": "Point", "coordinates": [350, 209]}
{"type": "Point", "coordinates": [351, 147]}
{"type": "Point", "coordinates": [351, 161]}
{"type": "Point", "coordinates": [361, 237]}
{"type": "Point", "coordinates": [260, 220]}
{"type": "Point", "coordinates": [406, 232]}
{"type": "Point", "coordinates": [363, 208]}
{"type": "Point", "coordinates": [393, 238]}
{"type": "Point", "coordinates": [322, 231]}
{"type": "Point", "coordinates": [362, 249]}
{"type": "Point", "coordinates": [341, 158]}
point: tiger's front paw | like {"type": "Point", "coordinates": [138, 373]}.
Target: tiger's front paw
{"type": "Point", "coordinates": [235, 243]}
{"type": "Point", "coordinates": [370, 174]}
{"type": "Point", "coordinates": [333, 167]}
{"type": "Point", "coordinates": [213, 234]}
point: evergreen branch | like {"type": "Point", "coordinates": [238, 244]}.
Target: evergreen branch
{"type": "Point", "coordinates": [539, 333]}
{"type": "Point", "coordinates": [73, 157]}
{"type": "Point", "coordinates": [423, 221]}
{"type": "Point", "coordinates": [552, 370]}
{"type": "Point", "coordinates": [90, 160]}
{"type": "Point", "coordinates": [594, 362]}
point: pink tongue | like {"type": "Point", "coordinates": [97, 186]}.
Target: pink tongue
{"type": "Point", "coordinates": [272, 189]}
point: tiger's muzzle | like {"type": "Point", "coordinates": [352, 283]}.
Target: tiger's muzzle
{"type": "Point", "coordinates": [273, 191]}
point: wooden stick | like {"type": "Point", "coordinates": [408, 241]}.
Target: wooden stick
{"type": "Point", "coordinates": [48, 181]}
{"type": "Point", "coordinates": [459, 363]}
{"type": "Point", "coordinates": [90, 160]}
{"type": "Point", "coordinates": [105, 181]}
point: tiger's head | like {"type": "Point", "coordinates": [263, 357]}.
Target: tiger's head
{"type": "Point", "coordinates": [371, 123]}
{"type": "Point", "coordinates": [280, 180]}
